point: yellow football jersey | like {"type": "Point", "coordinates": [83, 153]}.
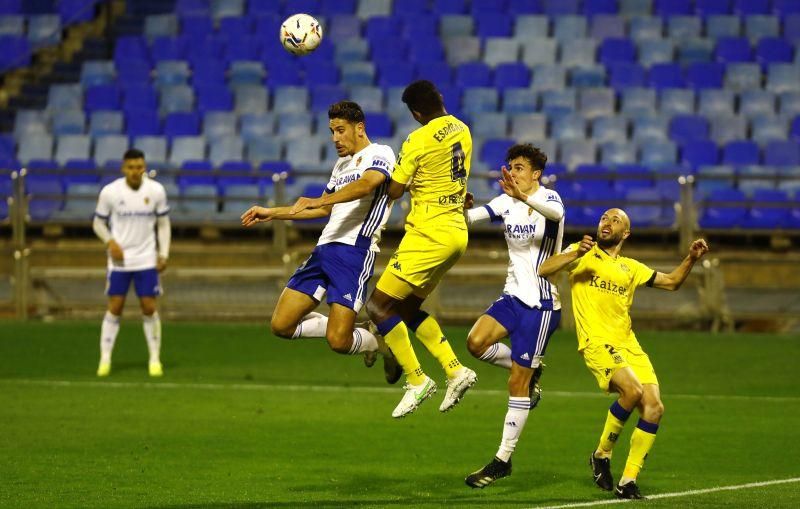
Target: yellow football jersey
{"type": "Point", "coordinates": [602, 294]}
{"type": "Point", "coordinates": [435, 159]}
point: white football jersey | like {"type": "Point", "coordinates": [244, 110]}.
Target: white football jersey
{"type": "Point", "coordinates": [531, 239]}
{"type": "Point", "coordinates": [131, 214]}
{"type": "Point", "coordinates": [359, 222]}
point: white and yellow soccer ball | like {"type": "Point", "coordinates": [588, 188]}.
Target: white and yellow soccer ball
{"type": "Point", "coordinates": [301, 34]}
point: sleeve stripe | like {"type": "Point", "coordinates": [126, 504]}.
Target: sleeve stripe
{"type": "Point", "coordinates": [101, 216]}
{"type": "Point", "coordinates": [375, 168]}
{"type": "Point", "coordinates": [652, 279]}
{"type": "Point", "coordinates": [494, 217]}
{"type": "Point", "coordinates": [163, 212]}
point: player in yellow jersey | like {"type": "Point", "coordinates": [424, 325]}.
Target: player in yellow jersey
{"type": "Point", "coordinates": [434, 165]}
{"type": "Point", "coordinates": [603, 283]}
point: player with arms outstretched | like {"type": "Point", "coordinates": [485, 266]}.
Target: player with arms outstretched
{"type": "Point", "coordinates": [434, 163]}
{"type": "Point", "coordinates": [529, 310]}
{"type": "Point", "coordinates": [343, 261]}
{"type": "Point", "coordinates": [603, 283]}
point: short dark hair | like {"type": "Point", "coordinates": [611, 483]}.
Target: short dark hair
{"type": "Point", "coordinates": [534, 155]}
{"type": "Point", "coordinates": [423, 96]}
{"type": "Point", "coordinates": [133, 153]}
{"type": "Point", "coordinates": [347, 110]}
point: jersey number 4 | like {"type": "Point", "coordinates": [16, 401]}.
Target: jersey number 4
{"type": "Point", "coordinates": [457, 169]}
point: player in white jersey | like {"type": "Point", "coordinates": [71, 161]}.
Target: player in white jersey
{"type": "Point", "coordinates": [528, 312]}
{"type": "Point", "coordinates": [135, 207]}
{"type": "Point", "coordinates": [343, 260]}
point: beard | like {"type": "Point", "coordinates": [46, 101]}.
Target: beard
{"type": "Point", "coordinates": [609, 242]}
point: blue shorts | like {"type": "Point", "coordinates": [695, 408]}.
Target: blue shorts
{"type": "Point", "coordinates": [144, 281]}
{"type": "Point", "coordinates": [340, 270]}
{"type": "Point", "coordinates": [529, 329]}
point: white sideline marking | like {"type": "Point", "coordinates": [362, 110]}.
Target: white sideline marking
{"type": "Point", "coordinates": [676, 494]}
{"type": "Point", "coordinates": [344, 388]}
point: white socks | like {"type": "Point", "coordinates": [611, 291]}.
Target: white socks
{"type": "Point", "coordinates": [315, 325]}
{"type": "Point", "coordinates": [516, 417]}
{"type": "Point", "coordinates": [498, 354]}
{"type": "Point", "coordinates": [108, 336]}
{"type": "Point", "coordinates": [152, 333]}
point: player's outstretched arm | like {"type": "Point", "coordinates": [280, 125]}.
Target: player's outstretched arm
{"type": "Point", "coordinates": [256, 214]}
{"type": "Point", "coordinates": [675, 279]}
{"type": "Point", "coordinates": [362, 187]}
{"type": "Point", "coordinates": [558, 262]}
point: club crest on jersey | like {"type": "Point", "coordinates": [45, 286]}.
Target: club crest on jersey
{"type": "Point", "coordinates": [624, 267]}
{"type": "Point", "coordinates": [358, 161]}
{"type": "Point", "coordinates": [146, 200]}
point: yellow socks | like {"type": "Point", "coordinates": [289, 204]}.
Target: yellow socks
{"type": "Point", "coordinates": [617, 415]}
{"type": "Point", "coordinates": [641, 442]}
{"type": "Point", "coordinates": [395, 334]}
{"type": "Point", "coordinates": [430, 334]}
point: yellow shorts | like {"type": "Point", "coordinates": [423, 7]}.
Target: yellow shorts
{"type": "Point", "coordinates": [603, 360]}
{"type": "Point", "coordinates": [421, 260]}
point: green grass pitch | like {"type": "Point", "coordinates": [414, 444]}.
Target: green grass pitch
{"type": "Point", "coordinates": [244, 420]}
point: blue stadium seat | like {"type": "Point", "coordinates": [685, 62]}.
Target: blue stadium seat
{"type": "Point", "coordinates": [168, 48]}
{"type": "Point", "coordinates": [615, 49]}
{"type": "Point", "coordinates": [610, 129]}
{"type": "Point", "coordinates": [794, 130]}
{"type": "Point", "coordinates": [547, 77]}
{"type": "Point", "coordinates": [605, 25]}
{"type": "Point", "coordinates": [462, 49]}
{"type": "Point", "coordinates": [632, 176]}
{"type": "Point", "coordinates": [740, 153]}
{"type": "Point", "coordinates": [358, 73]}
{"type": "Point", "coordinates": [106, 122]}
{"type": "Point", "coordinates": [214, 98]}
{"type": "Point", "coordinates": [765, 216]}
{"type": "Point", "coordinates": [295, 125]}
{"type": "Point", "coordinates": [511, 75]}
{"type": "Point", "coordinates": [65, 97]}
{"type": "Point", "coordinates": [666, 75]}
{"type": "Point", "coordinates": [343, 27]}
{"type": "Point", "coordinates": [519, 100]}
{"type": "Point", "coordinates": [172, 72]}
{"type": "Point", "coordinates": [28, 122]}
{"type": "Point", "coordinates": [142, 122]}
{"type": "Point", "coordinates": [494, 25]}
{"type": "Point", "coordinates": [439, 74]}
{"type": "Point", "coordinates": [789, 104]}
{"type": "Point", "coordinates": [238, 197]}
{"type": "Point", "coordinates": [754, 177]}
{"type": "Point", "coordinates": [733, 49]}
{"type": "Point", "coordinates": [324, 95]}
{"type": "Point", "coordinates": [759, 25]}
{"type": "Point", "coordinates": [696, 153]}
{"type": "Point", "coordinates": [701, 75]}
{"type": "Point", "coordinates": [160, 25]}
{"type": "Point", "coordinates": [685, 128]}
{"type": "Point", "coordinates": [198, 201]}
{"type": "Point", "coordinates": [494, 151]}
{"type": "Point", "coordinates": [626, 75]}
{"type": "Point", "coordinates": [97, 72]}
{"type": "Point", "coordinates": [725, 128]}
{"type": "Point", "coordinates": [44, 30]}
{"type": "Point", "coordinates": [393, 73]}
{"type": "Point", "coordinates": [378, 125]}
{"type": "Point", "coordinates": [290, 99]}
{"type": "Point", "coordinates": [80, 202]}
{"type": "Point", "coordinates": [426, 49]}
{"type": "Point", "coordinates": [530, 25]}
{"type": "Point", "coordinates": [451, 25]}
{"type": "Point", "coordinates": [723, 215]}
{"type": "Point", "coordinates": [745, 7]}
{"type": "Point", "coordinates": [473, 74]}
{"type": "Point", "coordinates": [46, 195]}
{"type": "Point", "coordinates": [570, 126]}
{"type": "Point", "coordinates": [12, 24]}
{"type": "Point", "coordinates": [182, 124]}
{"type": "Point", "coordinates": [791, 28]}
{"type": "Point", "coordinates": [676, 101]}
{"type": "Point", "coordinates": [555, 102]}
{"type": "Point", "coordinates": [15, 51]}
{"type": "Point", "coordinates": [251, 72]}
{"type": "Point", "coordinates": [257, 126]}
{"type": "Point", "coordinates": [176, 98]}
{"type": "Point", "coordinates": [646, 208]}
{"type": "Point", "coordinates": [369, 98]}
{"type": "Point", "coordinates": [480, 99]}
{"type": "Point", "coordinates": [773, 49]}
{"type": "Point", "coordinates": [782, 153]}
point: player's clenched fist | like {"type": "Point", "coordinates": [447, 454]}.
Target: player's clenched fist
{"type": "Point", "coordinates": [585, 245]}
{"type": "Point", "coordinates": [698, 248]}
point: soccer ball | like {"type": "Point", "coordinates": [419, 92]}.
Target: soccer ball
{"type": "Point", "coordinates": [301, 34]}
